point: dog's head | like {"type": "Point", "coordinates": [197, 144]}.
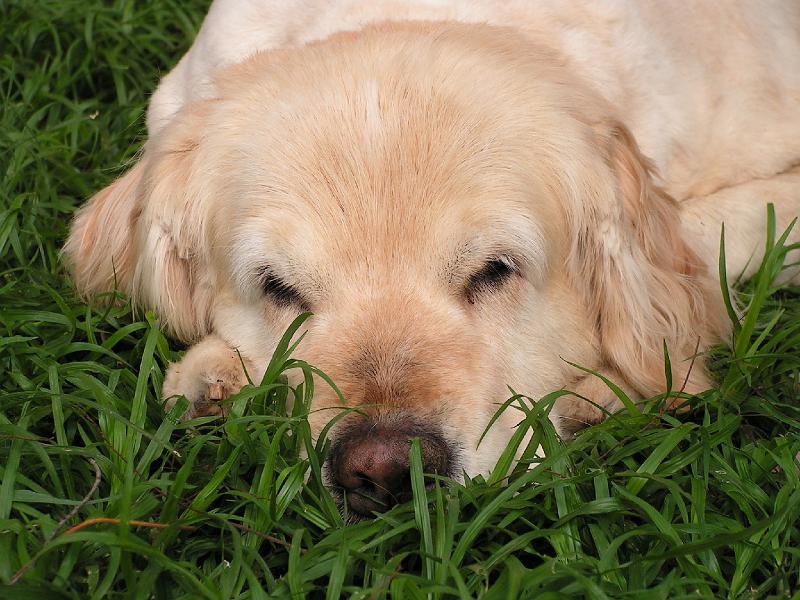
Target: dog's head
{"type": "Point", "coordinates": [459, 214]}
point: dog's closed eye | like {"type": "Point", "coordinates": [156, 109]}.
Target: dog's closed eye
{"type": "Point", "coordinates": [492, 275]}
{"type": "Point", "coordinates": [281, 293]}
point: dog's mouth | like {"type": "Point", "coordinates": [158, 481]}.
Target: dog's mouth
{"type": "Point", "coordinates": [368, 469]}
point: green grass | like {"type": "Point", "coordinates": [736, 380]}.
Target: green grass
{"type": "Point", "coordinates": [704, 504]}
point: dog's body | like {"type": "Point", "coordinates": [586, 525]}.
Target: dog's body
{"type": "Point", "coordinates": [458, 190]}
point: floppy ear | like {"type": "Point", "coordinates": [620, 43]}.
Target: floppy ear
{"type": "Point", "coordinates": [144, 233]}
{"type": "Point", "coordinates": [98, 250]}
{"type": "Point", "coordinates": [645, 284]}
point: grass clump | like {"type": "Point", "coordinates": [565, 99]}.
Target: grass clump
{"type": "Point", "coordinates": [645, 505]}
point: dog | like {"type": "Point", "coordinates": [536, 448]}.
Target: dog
{"type": "Point", "coordinates": [467, 195]}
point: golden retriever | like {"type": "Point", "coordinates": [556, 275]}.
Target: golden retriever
{"type": "Point", "coordinates": [469, 195]}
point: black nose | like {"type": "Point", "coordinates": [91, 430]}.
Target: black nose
{"type": "Point", "coordinates": [370, 463]}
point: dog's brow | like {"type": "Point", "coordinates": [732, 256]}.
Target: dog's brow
{"type": "Point", "coordinates": [520, 243]}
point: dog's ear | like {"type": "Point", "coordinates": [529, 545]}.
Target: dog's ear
{"type": "Point", "coordinates": [645, 284]}
{"type": "Point", "coordinates": [144, 234]}
{"type": "Point", "coordinates": [98, 250]}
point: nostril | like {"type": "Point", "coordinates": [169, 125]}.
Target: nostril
{"type": "Point", "coordinates": [367, 485]}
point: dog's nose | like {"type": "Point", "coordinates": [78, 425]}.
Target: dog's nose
{"type": "Point", "coordinates": [371, 465]}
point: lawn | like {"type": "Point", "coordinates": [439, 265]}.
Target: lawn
{"type": "Point", "coordinates": [103, 495]}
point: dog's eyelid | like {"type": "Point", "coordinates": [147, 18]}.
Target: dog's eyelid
{"type": "Point", "coordinates": [282, 293]}
{"type": "Point", "coordinates": [501, 264]}
{"type": "Point", "coordinates": [494, 272]}
{"type": "Point", "coordinates": [507, 260]}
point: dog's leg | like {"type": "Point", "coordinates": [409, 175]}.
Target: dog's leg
{"type": "Point", "coordinates": [743, 210]}
{"type": "Point", "coordinates": [208, 373]}
{"type": "Point", "coordinates": [574, 413]}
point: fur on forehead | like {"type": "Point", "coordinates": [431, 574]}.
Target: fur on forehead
{"type": "Point", "coordinates": [387, 158]}
{"type": "Point", "coordinates": [309, 124]}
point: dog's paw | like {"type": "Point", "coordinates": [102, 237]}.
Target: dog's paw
{"type": "Point", "coordinates": [209, 373]}
{"type": "Point", "coordinates": [575, 413]}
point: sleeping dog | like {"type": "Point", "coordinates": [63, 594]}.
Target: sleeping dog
{"type": "Point", "coordinates": [468, 195]}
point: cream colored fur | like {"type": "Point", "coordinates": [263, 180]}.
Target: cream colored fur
{"type": "Point", "coordinates": [374, 156]}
